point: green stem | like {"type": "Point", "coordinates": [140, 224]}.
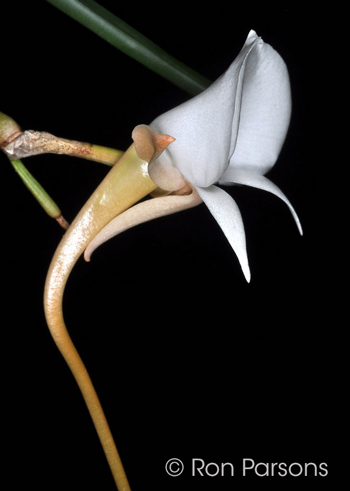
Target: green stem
{"type": "Point", "coordinates": [39, 192]}
{"type": "Point", "coordinates": [115, 31]}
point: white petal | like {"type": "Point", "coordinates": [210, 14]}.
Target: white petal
{"type": "Point", "coordinates": [206, 126]}
{"type": "Point", "coordinates": [265, 110]}
{"type": "Point", "coordinates": [227, 214]}
{"type": "Point", "coordinates": [261, 182]}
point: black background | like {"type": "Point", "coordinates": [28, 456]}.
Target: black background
{"type": "Point", "coordinates": [188, 359]}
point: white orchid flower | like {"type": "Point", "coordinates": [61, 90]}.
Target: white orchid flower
{"type": "Point", "coordinates": [231, 133]}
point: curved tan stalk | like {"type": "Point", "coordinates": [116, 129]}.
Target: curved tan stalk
{"type": "Point", "coordinates": [126, 183]}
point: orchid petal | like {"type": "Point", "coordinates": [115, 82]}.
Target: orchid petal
{"type": "Point", "coordinates": [247, 178]}
{"type": "Point", "coordinates": [206, 126]}
{"type": "Point", "coordinates": [227, 214]}
{"type": "Point", "coordinates": [265, 110]}
{"type": "Point", "coordinates": [140, 213]}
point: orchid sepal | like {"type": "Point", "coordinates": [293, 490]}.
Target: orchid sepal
{"type": "Point", "coordinates": [248, 178]}
{"type": "Point", "coordinates": [226, 212]}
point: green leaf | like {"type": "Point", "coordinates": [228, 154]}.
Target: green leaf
{"type": "Point", "coordinates": [115, 31]}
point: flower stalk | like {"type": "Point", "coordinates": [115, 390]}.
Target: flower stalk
{"type": "Point", "coordinates": [125, 184]}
